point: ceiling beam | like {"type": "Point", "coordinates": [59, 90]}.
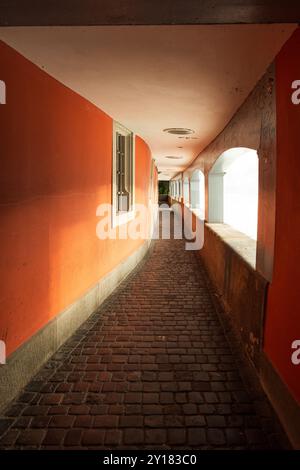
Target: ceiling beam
{"type": "Point", "coordinates": [146, 12]}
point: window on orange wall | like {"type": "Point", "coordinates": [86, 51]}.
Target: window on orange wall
{"type": "Point", "coordinates": [123, 174]}
{"type": "Point", "coordinates": [124, 164]}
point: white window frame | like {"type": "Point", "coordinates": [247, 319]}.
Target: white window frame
{"type": "Point", "coordinates": [119, 218]}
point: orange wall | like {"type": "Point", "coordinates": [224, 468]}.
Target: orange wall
{"type": "Point", "coordinates": [56, 152]}
{"type": "Point", "coordinates": [283, 307]}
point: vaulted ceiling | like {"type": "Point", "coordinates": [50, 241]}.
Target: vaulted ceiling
{"type": "Point", "coordinates": [150, 78]}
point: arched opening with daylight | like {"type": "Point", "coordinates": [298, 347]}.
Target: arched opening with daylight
{"type": "Point", "coordinates": [198, 193]}
{"type": "Point", "coordinates": [186, 191]}
{"type": "Point", "coordinates": [178, 189]}
{"type": "Point", "coordinates": [233, 190]}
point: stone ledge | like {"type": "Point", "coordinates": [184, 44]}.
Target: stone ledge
{"type": "Point", "coordinates": [239, 242]}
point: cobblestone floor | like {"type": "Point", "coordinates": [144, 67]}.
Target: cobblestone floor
{"type": "Point", "coordinates": [151, 369]}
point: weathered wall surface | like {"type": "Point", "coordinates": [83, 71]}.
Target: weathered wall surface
{"type": "Point", "coordinates": [253, 126]}
{"type": "Point", "coordinates": [282, 318]}
{"type": "Point", "coordinates": [241, 290]}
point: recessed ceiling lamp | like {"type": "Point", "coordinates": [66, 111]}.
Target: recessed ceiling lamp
{"type": "Point", "coordinates": [179, 130]}
{"type": "Point", "coordinates": [188, 137]}
{"type": "Point", "coordinates": [173, 157]}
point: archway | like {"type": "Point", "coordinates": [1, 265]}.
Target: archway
{"type": "Point", "coordinates": [233, 190]}
{"type": "Point", "coordinates": [198, 193]}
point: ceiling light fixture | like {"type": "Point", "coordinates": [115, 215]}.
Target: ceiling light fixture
{"type": "Point", "coordinates": [173, 157]}
{"type": "Point", "coordinates": [179, 131]}
{"type": "Point", "coordinates": [188, 137]}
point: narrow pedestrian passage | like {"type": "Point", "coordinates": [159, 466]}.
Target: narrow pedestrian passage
{"type": "Point", "coordinates": [151, 369]}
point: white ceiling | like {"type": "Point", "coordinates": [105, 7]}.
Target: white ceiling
{"type": "Point", "coordinates": [153, 77]}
